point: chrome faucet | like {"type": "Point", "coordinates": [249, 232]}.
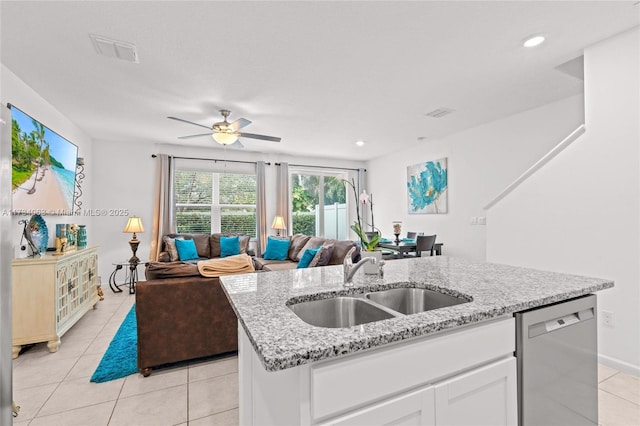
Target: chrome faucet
{"type": "Point", "coordinates": [349, 269]}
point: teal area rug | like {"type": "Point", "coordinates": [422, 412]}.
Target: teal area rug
{"type": "Point", "coordinates": [121, 357]}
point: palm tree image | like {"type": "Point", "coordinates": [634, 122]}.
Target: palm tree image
{"type": "Point", "coordinates": [43, 166]}
{"type": "Point", "coordinates": [37, 137]}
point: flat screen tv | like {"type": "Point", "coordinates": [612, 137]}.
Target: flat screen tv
{"type": "Point", "coordinates": [43, 167]}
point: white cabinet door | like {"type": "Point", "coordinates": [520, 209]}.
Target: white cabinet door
{"type": "Point", "coordinates": [414, 408]}
{"type": "Point", "coordinates": [484, 396]}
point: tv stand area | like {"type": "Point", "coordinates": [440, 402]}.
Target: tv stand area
{"type": "Point", "coordinates": [50, 294]}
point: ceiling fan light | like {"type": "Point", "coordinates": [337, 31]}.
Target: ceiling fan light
{"type": "Point", "coordinates": [224, 138]}
{"type": "Point", "coordinates": [533, 41]}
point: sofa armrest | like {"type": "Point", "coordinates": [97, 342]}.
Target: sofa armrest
{"type": "Point", "coordinates": [164, 257]}
{"type": "Point", "coordinates": [183, 318]}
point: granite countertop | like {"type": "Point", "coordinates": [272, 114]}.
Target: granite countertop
{"type": "Point", "coordinates": [282, 340]}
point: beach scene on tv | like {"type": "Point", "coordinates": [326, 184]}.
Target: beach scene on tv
{"type": "Point", "coordinates": [43, 167]}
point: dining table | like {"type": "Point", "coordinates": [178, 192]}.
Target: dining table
{"type": "Point", "coordinates": [405, 246]}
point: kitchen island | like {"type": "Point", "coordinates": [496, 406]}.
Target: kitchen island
{"type": "Point", "coordinates": [442, 366]}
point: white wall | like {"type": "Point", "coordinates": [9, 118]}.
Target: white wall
{"type": "Point", "coordinates": [16, 92]}
{"type": "Point", "coordinates": [482, 161]}
{"type": "Point", "coordinates": [580, 213]}
{"type": "Point", "coordinates": [126, 179]}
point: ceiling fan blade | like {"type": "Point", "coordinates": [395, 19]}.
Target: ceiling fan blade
{"type": "Point", "coordinates": [194, 136]}
{"type": "Point", "coordinates": [190, 122]}
{"type": "Point", "coordinates": [236, 145]}
{"type": "Point", "coordinates": [239, 124]}
{"type": "Point", "coordinates": [261, 137]}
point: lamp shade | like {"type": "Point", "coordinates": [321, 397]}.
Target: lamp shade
{"type": "Point", "coordinates": [224, 138]}
{"type": "Point", "coordinates": [134, 224]}
{"type": "Point", "coordinates": [278, 223]}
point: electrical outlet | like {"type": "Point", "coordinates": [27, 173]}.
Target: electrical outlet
{"type": "Point", "coordinates": [482, 220]}
{"type": "Point", "coordinates": [607, 319]}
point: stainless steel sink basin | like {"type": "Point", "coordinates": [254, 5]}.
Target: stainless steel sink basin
{"type": "Point", "coordinates": [413, 300]}
{"type": "Point", "coordinates": [338, 312]}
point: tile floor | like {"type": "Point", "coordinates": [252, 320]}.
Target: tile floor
{"type": "Point", "coordinates": [54, 389]}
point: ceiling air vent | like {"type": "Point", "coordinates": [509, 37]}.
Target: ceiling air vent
{"type": "Point", "coordinates": [115, 49]}
{"type": "Point", "coordinates": [439, 113]}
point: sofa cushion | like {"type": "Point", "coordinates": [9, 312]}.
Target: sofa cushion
{"type": "Point", "coordinates": [214, 240]}
{"type": "Point", "coordinates": [312, 243]}
{"type": "Point", "coordinates": [323, 256]}
{"type": "Point", "coordinates": [307, 257]}
{"type": "Point", "coordinates": [340, 250]}
{"type": "Point", "coordinates": [264, 264]}
{"type": "Point", "coordinates": [161, 270]}
{"type": "Point", "coordinates": [186, 249]}
{"type": "Point", "coordinates": [277, 248]}
{"type": "Point", "coordinates": [229, 246]}
{"type": "Point", "coordinates": [297, 242]}
{"type": "Point", "coordinates": [279, 265]}
{"type": "Point", "coordinates": [202, 244]}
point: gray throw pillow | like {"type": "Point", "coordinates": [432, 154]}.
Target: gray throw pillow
{"type": "Point", "coordinates": [323, 256]}
{"type": "Point", "coordinates": [170, 247]}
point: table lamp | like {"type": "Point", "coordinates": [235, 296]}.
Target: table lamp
{"type": "Point", "coordinates": [134, 224]}
{"type": "Point", "coordinates": [278, 224]}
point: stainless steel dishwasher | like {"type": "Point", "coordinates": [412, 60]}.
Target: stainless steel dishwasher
{"type": "Point", "coordinates": [556, 352]}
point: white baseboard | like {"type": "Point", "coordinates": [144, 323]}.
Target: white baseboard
{"type": "Point", "coordinates": [619, 365]}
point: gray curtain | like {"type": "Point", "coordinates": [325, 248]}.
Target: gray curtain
{"type": "Point", "coordinates": [164, 220]}
{"type": "Point", "coordinates": [261, 209]}
{"type": "Point", "coordinates": [282, 207]}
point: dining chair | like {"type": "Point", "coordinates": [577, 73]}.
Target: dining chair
{"type": "Point", "coordinates": [412, 235]}
{"type": "Point", "coordinates": [425, 243]}
{"type": "Point", "coordinates": [371, 234]}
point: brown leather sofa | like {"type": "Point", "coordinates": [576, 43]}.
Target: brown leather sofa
{"type": "Point", "coordinates": [182, 319]}
{"type": "Point", "coordinates": [207, 245]}
{"type": "Point", "coordinates": [182, 315]}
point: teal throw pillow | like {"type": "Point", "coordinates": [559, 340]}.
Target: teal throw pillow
{"type": "Point", "coordinates": [229, 246]}
{"type": "Point", "coordinates": [277, 249]}
{"type": "Point", "coordinates": [186, 249]}
{"type": "Point", "coordinates": [307, 257]}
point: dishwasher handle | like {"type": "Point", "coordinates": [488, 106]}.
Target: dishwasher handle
{"type": "Point", "coordinates": [551, 325]}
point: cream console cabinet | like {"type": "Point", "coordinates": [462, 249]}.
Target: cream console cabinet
{"type": "Point", "coordinates": [466, 376]}
{"type": "Point", "coordinates": [50, 294]}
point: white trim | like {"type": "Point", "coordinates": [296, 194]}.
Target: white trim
{"type": "Point", "coordinates": [619, 365]}
{"type": "Point", "coordinates": [538, 165]}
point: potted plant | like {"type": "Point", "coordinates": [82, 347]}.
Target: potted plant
{"type": "Point", "coordinates": [368, 243]}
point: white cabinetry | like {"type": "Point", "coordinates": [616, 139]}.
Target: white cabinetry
{"type": "Point", "coordinates": [483, 396]}
{"type": "Point", "coordinates": [464, 376]}
{"type": "Point", "coordinates": [50, 294]}
{"type": "Point", "coordinates": [413, 408]}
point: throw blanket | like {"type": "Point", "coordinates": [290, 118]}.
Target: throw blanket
{"type": "Point", "coordinates": [238, 264]}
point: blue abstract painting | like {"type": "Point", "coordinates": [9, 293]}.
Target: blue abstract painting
{"type": "Point", "coordinates": [427, 187]}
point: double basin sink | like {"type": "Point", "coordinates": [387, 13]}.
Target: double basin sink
{"type": "Point", "coordinates": [348, 311]}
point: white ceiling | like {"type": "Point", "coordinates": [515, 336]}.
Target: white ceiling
{"type": "Point", "coordinates": [321, 75]}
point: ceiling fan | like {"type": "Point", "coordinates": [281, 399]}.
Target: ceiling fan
{"type": "Point", "coordinates": [226, 133]}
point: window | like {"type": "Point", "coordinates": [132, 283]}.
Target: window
{"type": "Point", "coordinates": [210, 202]}
{"type": "Point", "coordinates": [318, 203]}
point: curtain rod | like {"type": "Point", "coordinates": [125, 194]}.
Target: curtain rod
{"type": "Point", "coordinates": [212, 159]}
{"type": "Point", "coordinates": [323, 167]}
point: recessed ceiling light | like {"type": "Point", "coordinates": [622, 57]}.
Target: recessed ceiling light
{"type": "Point", "coordinates": [533, 41]}
{"type": "Point", "coordinates": [360, 143]}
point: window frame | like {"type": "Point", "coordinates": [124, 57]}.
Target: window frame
{"type": "Point", "coordinates": [320, 172]}
{"type": "Point", "coordinates": [215, 207]}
